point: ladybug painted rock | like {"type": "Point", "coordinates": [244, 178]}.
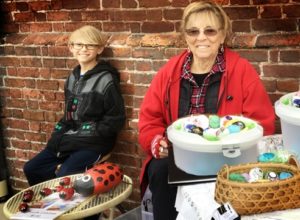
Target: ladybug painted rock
{"type": "Point", "coordinates": [27, 195]}
{"type": "Point", "coordinates": [65, 181]}
{"type": "Point", "coordinates": [45, 191]}
{"type": "Point", "coordinates": [23, 207]}
{"type": "Point", "coordinates": [66, 193]}
{"type": "Point", "coordinates": [99, 179]}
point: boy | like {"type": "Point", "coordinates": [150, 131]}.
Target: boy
{"type": "Point", "coordinates": [94, 113]}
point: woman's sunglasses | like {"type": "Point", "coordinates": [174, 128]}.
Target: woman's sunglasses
{"type": "Point", "coordinates": [208, 32]}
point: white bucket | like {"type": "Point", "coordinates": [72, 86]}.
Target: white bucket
{"type": "Point", "coordinates": [290, 124]}
{"type": "Point", "coordinates": [198, 156]}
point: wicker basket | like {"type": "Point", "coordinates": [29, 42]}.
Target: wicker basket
{"type": "Point", "coordinates": [253, 198]}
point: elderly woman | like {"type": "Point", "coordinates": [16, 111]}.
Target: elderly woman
{"type": "Point", "coordinates": [205, 78]}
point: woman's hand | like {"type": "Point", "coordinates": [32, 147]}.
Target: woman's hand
{"type": "Point", "coordinates": [159, 147]}
{"type": "Point", "coordinates": [163, 149]}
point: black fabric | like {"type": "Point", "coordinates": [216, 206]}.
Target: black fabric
{"type": "Point", "coordinates": [211, 98]}
{"type": "Point", "coordinates": [94, 112]}
{"type": "Point", "coordinates": [163, 194]}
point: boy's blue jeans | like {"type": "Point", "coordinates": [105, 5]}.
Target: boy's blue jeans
{"type": "Point", "coordinates": [42, 167]}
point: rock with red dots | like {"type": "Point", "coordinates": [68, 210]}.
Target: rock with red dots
{"type": "Point", "coordinates": [99, 179]}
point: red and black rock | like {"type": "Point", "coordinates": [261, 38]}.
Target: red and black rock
{"type": "Point", "coordinates": [23, 207]}
{"type": "Point", "coordinates": [45, 191]}
{"type": "Point", "coordinates": [66, 193]}
{"type": "Point", "coordinates": [65, 181]}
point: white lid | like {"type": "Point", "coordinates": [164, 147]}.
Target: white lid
{"type": "Point", "coordinates": [287, 113]}
{"type": "Point", "coordinates": [194, 142]}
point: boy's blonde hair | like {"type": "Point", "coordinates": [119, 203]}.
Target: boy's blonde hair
{"type": "Point", "coordinates": [213, 10]}
{"type": "Point", "coordinates": [89, 35]}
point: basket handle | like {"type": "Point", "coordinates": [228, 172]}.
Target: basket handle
{"type": "Point", "coordinates": [293, 161]}
{"type": "Point", "coordinates": [226, 168]}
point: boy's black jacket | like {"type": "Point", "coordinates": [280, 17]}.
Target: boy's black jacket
{"type": "Point", "coordinates": [94, 112]}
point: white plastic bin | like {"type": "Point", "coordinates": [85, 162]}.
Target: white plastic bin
{"type": "Point", "coordinates": [290, 124]}
{"type": "Point", "coordinates": [198, 156]}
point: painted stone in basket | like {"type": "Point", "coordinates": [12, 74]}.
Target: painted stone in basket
{"type": "Point", "coordinates": [259, 197]}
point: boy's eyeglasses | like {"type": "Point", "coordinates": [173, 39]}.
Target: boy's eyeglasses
{"type": "Point", "coordinates": [78, 46]}
{"type": "Point", "coordinates": [208, 32]}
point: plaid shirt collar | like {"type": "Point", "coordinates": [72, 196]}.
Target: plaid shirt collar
{"type": "Point", "coordinates": [197, 100]}
{"type": "Point", "coordinates": [219, 66]}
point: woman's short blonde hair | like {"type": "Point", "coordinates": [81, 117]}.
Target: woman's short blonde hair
{"type": "Point", "coordinates": [212, 9]}
{"type": "Point", "coordinates": [88, 34]}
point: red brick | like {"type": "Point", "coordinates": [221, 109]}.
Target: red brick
{"type": "Point", "coordinates": [9, 61]}
{"type": "Point", "coordinates": [129, 15]}
{"type": "Point", "coordinates": [59, 73]}
{"type": "Point", "coordinates": [24, 17]}
{"type": "Point", "coordinates": [115, 26]}
{"type": "Point", "coordinates": [141, 78]}
{"type": "Point", "coordinates": [291, 11]}
{"type": "Point", "coordinates": [75, 16]}
{"type": "Point", "coordinates": [154, 15]}
{"type": "Point", "coordinates": [19, 124]}
{"type": "Point", "coordinates": [270, 85]}
{"type": "Point", "coordinates": [56, 4]}
{"type": "Point", "coordinates": [95, 4]}
{"type": "Point", "coordinates": [129, 4]}
{"type": "Point", "coordinates": [266, 25]}
{"type": "Point", "coordinates": [19, 83]}
{"type": "Point", "coordinates": [166, 40]}
{"type": "Point", "coordinates": [254, 55]}
{"type": "Point", "coordinates": [25, 28]}
{"type": "Point", "coordinates": [10, 28]}
{"type": "Point", "coordinates": [235, 13]}
{"type": "Point", "coordinates": [144, 66]}
{"type": "Point", "coordinates": [241, 26]}
{"type": "Point", "coordinates": [13, 93]}
{"type": "Point", "coordinates": [261, 2]}
{"type": "Point", "coordinates": [154, 3]}
{"type": "Point", "coordinates": [157, 27]}
{"type": "Point", "coordinates": [148, 53]}
{"type": "Point", "coordinates": [58, 16]}
{"type": "Point", "coordinates": [22, 6]}
{"type": "Point", "coordinates": [47, 84]}
{"type": "Point", "coordinates": [38, 6]}
{"type": "Point", "coordinates": [270, 12]}
{"type": "Point", "coordinates": [94, 15]}
{"type": "Point", "coordinates": [179, 3]}
{"type": "Point", "coordinates": [30, 83]}
{"type": "Point", "coordinates": [58, 51]}
{"type": "Point", "coordinates": [287, 85]}
{"type": "Point", "coordinates": [35, 137]}
{"type": "Point", "coordinates": [290, 56]}
{"type": "Point", "coordinates": [244, 41]}
{"type": "Point", "coordinates": [35, 126]}
{"type": "Point", "coordinates": [27, 51]}
{"type": "Point", "coordinates": [172, 14]}
{"type": "Point", "coordinates": [282, 71]}
{"type": "Point", "coordinates": [31, 62]}
{"type": "Point", "coordinates": [31, 93]}
{"type": "Point", "coordinates": [40, 17]}
{"type": "Point", "coordinates": [239, 2]}
{"type": "Point", "coordinates": [34, 115]}
{"type": "Point", "coordinates": [40, 27]}
{"type": "Point", "coordinates": [158, 64]}
{"type": "Point", "coordinates": [58, 63]}
{"type": "Point", "coordinates": [274, 55]}
{"type": "Point", "coordinates": [32, 104]}
{"type": "Point", "coordinates": [70, 4]}
{"type": "Point", "coordinates": [111, 4]}
{"type": "Point", "coordinates": [50, 116]}
{"type": "Point", "coordinates": [277, 40]}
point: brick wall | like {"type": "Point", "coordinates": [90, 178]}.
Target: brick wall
{"type": "Point", "coordinates": [143, 35]}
